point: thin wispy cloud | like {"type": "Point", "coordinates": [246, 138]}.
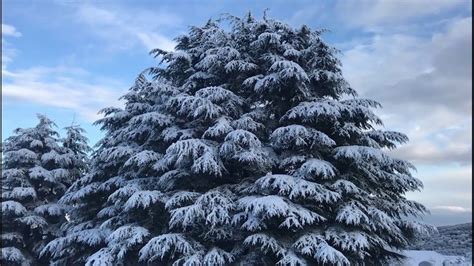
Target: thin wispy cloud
{"type": "Point", "coordinates": [64, 87]}
{"type": "Point", "coordinates": [455, 209]}
{"type": "Point", "coordinates": [374, 15]}
{"type": "Point", "coordinates": [8, 52]}
{"type": "Point", "coordinates": [69, 87]}
{"type": "Point", "coordinates": [9, 30]}
{"type": "Point", "coordinates": [439, 146]}
{"type": "Point", "coordinates": [124, 29]}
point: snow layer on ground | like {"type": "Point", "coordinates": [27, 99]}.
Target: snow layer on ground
{"type": "Point", "coordinates": [432, 258]}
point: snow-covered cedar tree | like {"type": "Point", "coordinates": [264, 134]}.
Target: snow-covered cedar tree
{"type": "Point", "coordinates": [36, 171]}
{"type": "Point", "coordinates": [244, 146]}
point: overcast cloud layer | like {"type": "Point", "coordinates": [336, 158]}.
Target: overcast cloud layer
{"type": "Point", "coordinates": [414, 57]}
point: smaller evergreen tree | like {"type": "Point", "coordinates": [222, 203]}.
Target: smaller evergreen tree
{"type": "Point", "coordinates": [75, 143]}
{"type": "Point", "coordinates": [36, 171]}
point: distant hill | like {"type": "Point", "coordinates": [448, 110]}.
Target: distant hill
{"type": "Point", "coordinates": [451, 240]}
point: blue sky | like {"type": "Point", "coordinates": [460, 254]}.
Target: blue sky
{"type": "Point", "coordinates": [68, 59]}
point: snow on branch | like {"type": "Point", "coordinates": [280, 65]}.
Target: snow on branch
{"type": "Point", "coordinates": [291, 259]}
{"type": "Point", "coordinates": [267, 38]}
{"type": "Point", "coordinates": [362, 153]}
{"type": "Point", "coordinates": [296, 188]}
{"type": "Point", "coordinates": [11, 207]}
{"type": "Point", "coordinates": [14, 255]}
{"type": "Point", "coordinates": [352, 214]}
{"type": "Point", "coordinates": [52, 209]}
{"type": "Point", "coordinates": [240, 66]}
{"type": "Point", "coordinates": [327, 109]}
{"type": "Point", "coordinates": [246, 122]}
{"type": "Point", "coordinates": [33, 221]}
{"type": "Point", "coordinates": [194, 107]}
{"type": "Point", "coordinates": [296, 136]}
{"type": "Point", "coordinates": [314, 169]}
{"type": "Point", "coordinates": [40, 173]}
{"type": "Point", "coordinates": [143, 199]}
{"type": "Point", "coordinates": [126, 237]}
{"type": "Point", "coordinates": [219, 130]}
{"type": "Point", "coordinates": [103, 257]}
{"type": "Point", "coordinates": [267, 207]}
{"type": "Point", "coordinates": [142, 159]}
{"type": "Point", "coordinates": [217, 256]}
{"type": "Point", "coordinates": [213, 208]}
{"type": "Point", "coordinates": [354, 241]}
{"type": "Point", "coordinates": [313, 111]}
{"type": "Point", "coordinates": [289, 70]}
{"type": "Point", "coordinates": [22, 156]}
{"type": "Point", "coordinates": [90, 237]}
{"type": "Point", "coordinates": [124, 193]}
{"type": "Point", "coordinates": [315, 246]}
{"type": "Point", "coordinates": [152, 119]}
{"type": "Point", "coordinates": [245, 147]}
{"type": "Point", "coordinates": [345, 187]}
{"type": "Point", "coordinates": [265, 242]}
{"type": "Point", "coordinates": [194, 152]}
{"type": "Point", "coordinates": [82, 193]}
{"type": "Point", "coordinates": [20, 193]}
{"type": "Point", "coordinates": [219, 95]}
{"type": "Point", "coordinates": [167, 245]}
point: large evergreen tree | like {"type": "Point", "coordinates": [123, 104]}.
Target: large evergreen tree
{"type": "Point", "coordinates": [36, 171]}
{"type": "Point", "coordinates": [246, 146]}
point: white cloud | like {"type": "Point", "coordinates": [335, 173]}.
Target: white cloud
{"type": "Point", "coordinates": [455, 209]}
{"type": "Point", "coordinates": [424, 84]}
{"type": "Point", "coordinates": [153, 40]}
{"type": "Point", "coordinates": [9, 30]}
{"type": "Point", "coordinates": [8, 52]}
{"type": "Point", "coordinates": [65, 87]}
{"type": "Point", "coordinates": [444, 185]}
{"type": "Point", "coordinates": [374, 14]}
{"type": "Point", "coordinates": [438, 145]}
{"type": "Point", "coordinates": [316, 14]}
{"type": "Point", "coordinates": [126, 28]}
{"type": "Point", "coordinates": [75, 88]}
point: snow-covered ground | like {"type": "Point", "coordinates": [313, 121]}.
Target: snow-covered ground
{"type": "Point", "coordinates": [432, 258]}
{"type": "Point", "coordinates": [455, 240]}
{"type": "Point", "coordinates": [452, 245]}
